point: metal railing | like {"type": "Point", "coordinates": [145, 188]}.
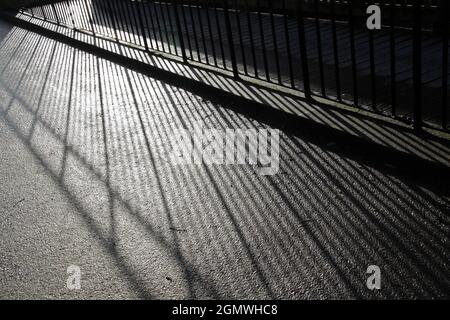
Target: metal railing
{"type": "Point", "coordinates": [320, 47]}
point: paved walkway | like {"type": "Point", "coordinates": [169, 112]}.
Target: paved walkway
{"type": "Point", "coordinates": [85, 181]}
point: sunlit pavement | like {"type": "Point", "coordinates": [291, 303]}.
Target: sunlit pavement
{"type": "Point", "coordinates": [86, 180]}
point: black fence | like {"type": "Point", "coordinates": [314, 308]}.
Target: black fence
{"type": "Point", "coordinates": [320, 47]}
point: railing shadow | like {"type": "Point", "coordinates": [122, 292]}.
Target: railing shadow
{"type": "Point", "coordinates": [310, 231]}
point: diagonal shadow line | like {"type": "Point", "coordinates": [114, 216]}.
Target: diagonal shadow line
{"type": "Point", "coordinates": [139, 83]}
{"type": "Point", "coordinates": [262, 112]}
{"type": "Point", "coordinates": [121, 44]}
{"type": "Point", "coordinates": [44, 86]}
{"type": "Point", "coordinates": [157, 235]}
{"type": "Point", "coordinates": [137, 284]}
{"type": "Point", "coordinates": [258, 110]}
{"type": "Point", "coordinates": [228, 209]}
{"type": "Point", "coordinates": [233, 96]}
{"type": "Point", "coordinates": [341, 29]}
{"type": "Point", "coordinates": [17, 47]}
{"type": "Point", "coordinates": [336, 180]}
{"type": "Point", "coordinates": [310, 232]}
{"type": "Point", "coordinates": [218, 192]}
{"type": "Point", "coordinates": [177, 250]}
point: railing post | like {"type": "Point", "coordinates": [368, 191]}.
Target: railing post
{"type": "Point", "coordinates": [445, 17]}
{"type": "Point", "coordinates": [351, 24]}
{"type": "Point", "coordinates": [56, 14]}
{"type": "Point", "coordinates": [303, 51]}
{"type": "Point", "coordinates": [110, 9]}
{"type": "Point", "coordinates": [230, 39]}
{"type": "Point", "coordinates": [43, 13]}
{"type": "Point", "coordinates": [179, 30]}
{"type": "Point", "coordinates": [417, 65]}
{"type": "Point", "coordinates": [141, 25]}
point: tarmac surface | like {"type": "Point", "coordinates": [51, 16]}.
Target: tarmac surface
{"type": "Point", "coordinates": [86, 180]}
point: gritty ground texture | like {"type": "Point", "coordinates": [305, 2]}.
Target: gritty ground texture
{"type": "Point", "coordinates": [86, 180]}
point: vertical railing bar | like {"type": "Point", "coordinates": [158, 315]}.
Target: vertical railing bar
{"type": "Point", "coordinates": [54, 11]}
{"type": "Point", "coordinates": [417, 65]}
{"type": "Point", "coordinates": [159, 26]}
{"type": "Point", "coordinates": [211, 35]}
{"type": "Point", "coordinates": [152, 22]}
{"type": "Point", "coordinates": [138, 26]}
{"type": "Point", "coordinates": [353, 52]}
{"type": "Point", "coordinates": [252, 39]}
{"type": "Point", "coordinates": [90, 15]}
{"type": "Point", "coordinates": [127, 22]}
{"type": "Point", "coordinates": [117, 17]}
{"type": "Point", "coordinates": [241, 39]}
{"type": "Point", "coordinates": [393, 59]}
{"type": "Point", "coordinates": [142, 25]}
{"type": "Point", "coordinates": [275, 43]}
{"type": "Point", "coordinates": [98, 23]}
{"type": "Point", "coordinates": [194, 30]}
{"type": "Point", "coordinates": [151, 31]}
{"type": "Point", "coordinates": [303, 51]}
{"type": "Point", "coordinates": [202, 30]}
{"type": "Point", "coordinates": [38, 12]}
{"type": "Point", "coordinates": [88, 20]}
{"type": "Point", "coordinates": [335, 51]}
{"type": "Point", "coordinates": [154, 19]}
{"type": "Point", "coordinates": [140, 16]}
{"type": "Point", "coordinates": [445, 25]}
{"type": "Point", "coordinates": [164, 24]}
{"type": "Point", "coordinates": [288, 44]}
{"type": "Point", "coordinates": [113, 22]}
{"type": "Point", "coordinates": [81, 16]}
{"type": "Point", "coordinates": [188, 38]}
{"type": "Point", "coordinates": [132, 22]}
{"type": "Point", "coordinates": [104, 23]}
{"type": "Point", "coordinates": [70, 13]}
{"type": "Point", "coordinates": [170, 23]}
{"type": "Point", "coordinates": [230, 39]}
{"type": "Point", "coordinates": [43, 13]}
{"type": "Point", "coordinates": [180, 31]}
{"type": "Point", "coordinates": [319, 48]}
{"type": "Point", "coordinates": [372, 70]}
{"type": "Point", "coordinates": [51, 12]}
{"type": "Point", "coordinates": [219, 31]}
{"type": "Point", "coordinates": [60, 13]}
{"type": "Point", "coordinates": [263, 40]}
{"type": "Point", "coordinates": [110, 20]}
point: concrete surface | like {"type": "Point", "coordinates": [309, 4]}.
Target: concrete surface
{"type": "Point", "coordinates": [86, 181]}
